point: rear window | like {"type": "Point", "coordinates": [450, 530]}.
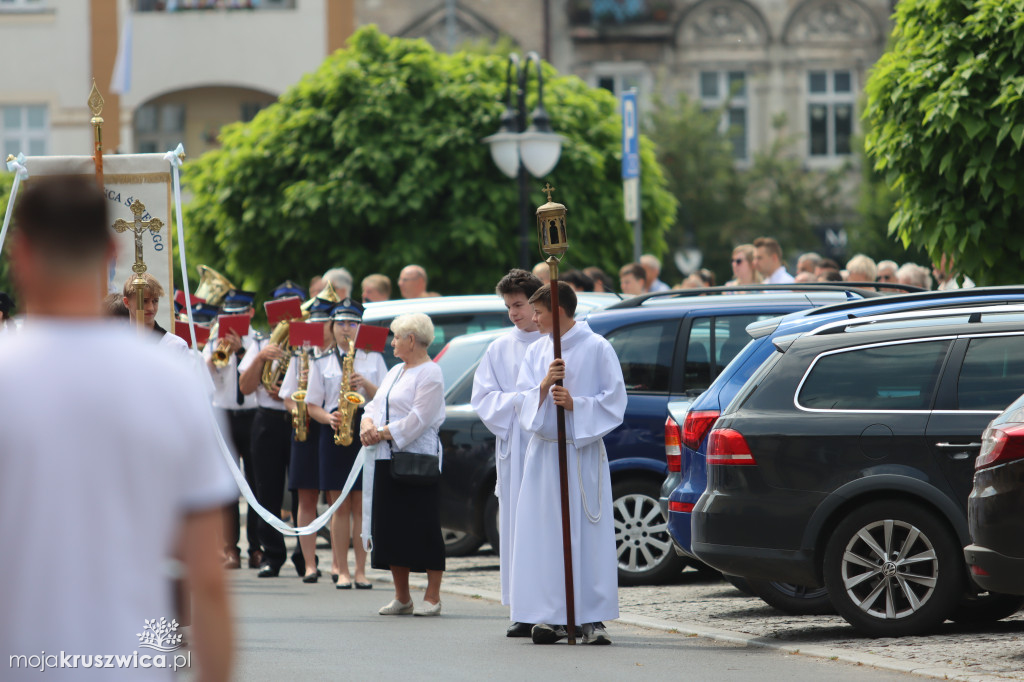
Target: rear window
{"type": "Point", "coordinates": [713, 343]}
{"type": "Point", "coordinates": [645, 353]}
{"type": "Point", "coordinates": [992, 375]}
{"type": "Point", "coordinates": [893, 377]}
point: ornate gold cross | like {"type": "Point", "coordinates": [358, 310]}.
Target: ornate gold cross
{"type": "Point", "coordinates": [549, 189]}
{"type": "Point", "coordinates": [153, 225]}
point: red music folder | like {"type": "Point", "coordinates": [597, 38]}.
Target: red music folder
{"type": "Point", "coordinates": [300, 333]}
{"type": "Point", "coordinates": [236, 323]}
{"type": "Point", "coordinates": [283, 309]}
{"type": "Point", "coordinates": [181, 329]}
{"type": "Point", "coordinates": [371, 338]}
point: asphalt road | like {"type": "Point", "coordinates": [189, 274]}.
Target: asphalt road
{"type": "Point", "coordinates": [287, 629]}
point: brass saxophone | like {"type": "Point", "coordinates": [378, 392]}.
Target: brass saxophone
{"type": "Point", "coordinates": [273, 370]}
{"type": "Point", "coordinates": [300, 418]}
{"type": "Point", "coordinates": [348, 400]}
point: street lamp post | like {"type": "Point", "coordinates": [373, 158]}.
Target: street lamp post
{"type": "Point", "coordinates": [521, 151]}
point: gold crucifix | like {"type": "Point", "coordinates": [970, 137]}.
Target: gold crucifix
{"type": "Point", "coordinates": [138, 227]}
{"type": "Point", "coordinates": [549, 189]}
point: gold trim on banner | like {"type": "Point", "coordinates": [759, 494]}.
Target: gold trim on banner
{"type": "Point", "coordinates": [137, 178]}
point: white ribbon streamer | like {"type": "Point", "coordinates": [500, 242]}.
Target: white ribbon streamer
{"type": "Point", "coordinates": [16, 166]}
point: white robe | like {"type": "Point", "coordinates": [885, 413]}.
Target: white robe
{"type": "Point", "coordinates": [594, 380]}
{"type": "Point", "coordinates": [496, 401]}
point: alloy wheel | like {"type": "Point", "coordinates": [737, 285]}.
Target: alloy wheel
{"type": "Point", "coordinates": [641, 533]}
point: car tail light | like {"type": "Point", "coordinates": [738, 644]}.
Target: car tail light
{"type": "Point", "coordinates": [728, 447]}
{"type": "Point", "coordinates": [673, 454]}
{"type": "Point", "coordinates": [696, 426]}
{"type": "Point", "coordinates": [684, 507]}
{"type": "Point", "coordinates": [1000, 445]}
{"type": "Point", "coordinates": [979, 571]}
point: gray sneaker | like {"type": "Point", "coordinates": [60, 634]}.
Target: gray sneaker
{"type": "Point", "coordinates": [542, 633]}
{"type": "Point", "coordinates": [594, 633]}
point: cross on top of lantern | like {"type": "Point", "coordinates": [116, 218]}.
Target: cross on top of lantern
{"type": "Point", "coordinates": [551, 226]}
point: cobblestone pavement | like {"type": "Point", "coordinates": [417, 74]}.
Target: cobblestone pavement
{"type": "Point", "coordinates": [995, 650]}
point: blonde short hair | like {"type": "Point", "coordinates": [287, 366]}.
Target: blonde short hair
{"type": "Point", "coordinates": [863, 265]}
{"type": "Point", "coordinates": [152, 286]}
{"type": "Point", "coordinates": [416, 324]}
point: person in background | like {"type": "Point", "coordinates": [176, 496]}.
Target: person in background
{"type": "Point", "coordinates": [405, 416]}
{"type": "Point", "coordinates": [336, 461]}
{"type": "Point", "coordinates": [807, 262]}
{"type": "Point", "coordinates": [861, 268]}
{"type": "Point", "coordinates": [150, 308]}
{"type": "Point", "coordinates": [602, 282]}
{"type": "Point", "coordinates": [496, 401]}
{"type": "Point", "coordinates": [577, 280]}
{"type": "Point", "coordinates": [316, 285]}
{"type": "Point", "coordinates": [768, 261]}
{"type": "Point", "coordinates": [830, 275]}
{"type": "Point", "coordinates": [341, 281]}
{"type": "Point", "coordinates": [652, 267]}
{"type": "Point", "coordinates": [743, 271]}
{"type": "Point", "coordinates": [114, 306]}
{"type": "Point", "coordinates": [376, 287]}
{"type": "Point", "coordinates": [542, 272]}
{"type": "Point", "coordinates": [824, 266]}
{"type": "Point", "coordinates": [153, 481]}
{"type": "Point", "coordinates": [887, 271]}
{"type": "Point", "coordinates": [946, 275]}
{"type": "Point", "coordinates": [412, 282]}
{"type": "Point", "coordinates": [633, 279]}
{"type": "Point", "coordinates": [915, 275]}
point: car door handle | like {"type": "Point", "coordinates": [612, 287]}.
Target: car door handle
{"type": "Point", "coordinates": [958, 445]}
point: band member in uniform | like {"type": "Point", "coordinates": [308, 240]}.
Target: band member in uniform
{"type": "Point", "coordinates": [496, 401]}
{"type": "Point", "coordinates": [238, 412]}
{"type": "Point", "coordinates": [303, 467]}
{"type": "Point", "coordinates": [326, 383]}
{"type": "Point", "coordinates": [271, 437]}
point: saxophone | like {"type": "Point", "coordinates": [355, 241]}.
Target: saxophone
{"type": "Point", "coordinates": [348, 400]}
{"type": "Point", "coordinates": [300, 418]}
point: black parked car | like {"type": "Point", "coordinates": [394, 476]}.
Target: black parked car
{"type": "Point", "coordinates": [846, 461]}
{"type": "Point", "coordinates": [995, 509]}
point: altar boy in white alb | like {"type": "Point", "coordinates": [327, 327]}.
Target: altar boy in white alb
{"type": "Point", "coordinates": [496, 401]}
{"type": "Point", "coordinates": [594, 398]}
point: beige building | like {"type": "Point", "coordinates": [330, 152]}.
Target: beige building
{"type": "Point", "coordinates": [198, 64]}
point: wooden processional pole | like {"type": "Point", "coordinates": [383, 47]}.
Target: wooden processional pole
{"type": "Point", "coordinates": [554, 243]}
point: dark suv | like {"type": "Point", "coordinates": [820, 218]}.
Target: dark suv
{"type": "Point", "coordinates": [847, 458]}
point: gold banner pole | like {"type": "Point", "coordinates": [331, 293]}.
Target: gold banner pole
{"type": "Point", "coordinates": [96, 106]}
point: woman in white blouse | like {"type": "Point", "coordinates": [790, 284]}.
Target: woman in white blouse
{"type": "Point", "coordinates": [405, 415]}
{"type": "Point", "coordinates": [368, 370]}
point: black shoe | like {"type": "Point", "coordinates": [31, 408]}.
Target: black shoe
{"type": "Point", "coordinates": [542, 633]}
{"type": "Point", "coordinates": [311, 578]}
{"type": "Point", "coordinates": [268, 571]}
{"type": "Point", "coordinates": [519, 630]}
{"type": "Point", "coordinates": [300, 563]}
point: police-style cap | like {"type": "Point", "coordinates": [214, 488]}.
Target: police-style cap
{"type": "Point", "coordinates": [287, 288]}
{"type": "Point", "coordinates": [320, 311]}
{"type": "Point", "coordinates": [347, 310]}
{"type": "Point", "coordinates": [204, 313]}
{"type": "Point", "coordinates": [238, 301]}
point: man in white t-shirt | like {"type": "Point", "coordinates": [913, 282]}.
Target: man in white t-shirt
{"type": "Point", "coordinates": [130, 458]}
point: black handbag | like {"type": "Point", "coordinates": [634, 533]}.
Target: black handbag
{"type": "Point", "coordinates": [411, 468]}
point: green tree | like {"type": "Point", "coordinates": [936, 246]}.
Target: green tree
{"type": "Point", "coordinates": [944, 106]}
{"type": "Point", "coordinates": [6, 180]}
{"type": "Point", "coordinates": [375, 161]}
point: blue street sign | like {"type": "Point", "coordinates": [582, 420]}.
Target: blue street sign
{"type": "Point", "coordinates": [630, 137]}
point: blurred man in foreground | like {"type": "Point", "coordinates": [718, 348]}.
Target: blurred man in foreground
{"type": "Point", "coordinates": [125, 474]}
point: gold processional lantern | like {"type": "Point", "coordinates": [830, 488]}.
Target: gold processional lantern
{"type": "Point", "coordinates": [551, 234]}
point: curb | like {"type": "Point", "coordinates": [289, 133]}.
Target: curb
{"type": "Point", "coordinates": [744, 639]}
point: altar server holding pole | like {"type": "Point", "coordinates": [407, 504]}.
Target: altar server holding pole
{"type": "Point", "coordinates": [496, 401]}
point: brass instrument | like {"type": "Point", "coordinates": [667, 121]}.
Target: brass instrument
{"type": "Point", "coordinates": [274, 370]}
{"type": "Point", "coordinates": [300, 418]}
{"type": "Point", "coordinates": [222, 353]}
{"type": "Point", "coordinates": [348, 400]}
{"type": "Point", "coordinates": [213, 288]}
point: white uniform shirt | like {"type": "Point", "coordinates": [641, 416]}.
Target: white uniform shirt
{"type": "Point", "coordinates": [325, 376]}
{"type": "Point", "coordinates": [225, 379]}
{"type": "Point", "coordinates": [263, 398]}
{"type": "Point", "coordinates": [133, 451]}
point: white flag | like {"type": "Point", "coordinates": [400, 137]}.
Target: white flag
{"type": "Point", "coordinates": [121, 79]}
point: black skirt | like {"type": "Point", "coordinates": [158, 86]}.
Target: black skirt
{"type": "Point", "coordinates": [304, 464]}
{"type": "Point", "coordinates": [406, 523]}
{"type": "Point", "coordinates": [336, 460]}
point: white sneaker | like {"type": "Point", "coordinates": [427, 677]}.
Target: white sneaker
{"type": "Point", "coordinates": [397, 608]}
{"type": "Point", "coordinates": [427, 609]}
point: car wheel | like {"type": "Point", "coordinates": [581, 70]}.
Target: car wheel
{"type": "Point", "coordinates": [741, 584]}
{"type": "Point", "coordinates": [986, 608]}
{"type": "Point", "coordinates": [796, 600]}
{"type": "Point", "coordinates": [893, 568]}
{"type": "Point", "coordinates": [491, 524]}
{"type": "Point", "coordinates": [642, 543]}
{"type": "Point", "coordinates": [457, 543]}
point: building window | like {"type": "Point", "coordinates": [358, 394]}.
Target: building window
{"type": "Point", "coordinates": [726, 91]}
{"type": "Point", "coordinates": [250, 109]}
{"type": "Point", "coordinates": [830, 100]}
{"type": "Point", "coordinates": [25, 129]}
{"type": "Point", "coordinates": [21, 5]}
{"type": "Point", "coordinates": [159, 127]}
{"type": "Point", "coordinates": [618, 83]}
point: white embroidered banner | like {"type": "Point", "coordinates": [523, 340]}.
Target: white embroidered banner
{"type": "Point", "coordinates": [126, 178]}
